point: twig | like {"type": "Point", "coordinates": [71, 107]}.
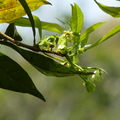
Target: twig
{"type": "Point", "coordinates": [33, 48]}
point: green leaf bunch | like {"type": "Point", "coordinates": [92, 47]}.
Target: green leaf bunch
{"type": "Point", "coordinates": [56, 55]}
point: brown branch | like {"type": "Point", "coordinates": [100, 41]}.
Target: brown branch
{"type": "Point", "coordinates": [33, 48]}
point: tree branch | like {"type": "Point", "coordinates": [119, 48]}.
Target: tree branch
{"type": "Point", "coordinates": [33, 48]}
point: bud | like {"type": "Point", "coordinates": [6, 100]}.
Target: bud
{"type": "Point", "coordinates": [96, 75]}
{"type": "Point", "coordinates": [90, 86]}
{"type": "Point", "coordinates": [62, 49]}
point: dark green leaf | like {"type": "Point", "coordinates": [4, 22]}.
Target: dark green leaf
{"type": "Point", "coordinates": [113, 11]}
{"type": "Point", "coordinates": [38, 24]}
{"type": "Point", "coordinates": [12, 32]}
{"type": "Point", "coordinates": [44, 64]}
{"type": "Point", "coordinates": [25, 22]}
{"type": "Point", "coordinates": [28, 11]}
{"type": "Point", "coordinates": [14, 77]}
{"type": "Point", "coordinates": [77, 19]}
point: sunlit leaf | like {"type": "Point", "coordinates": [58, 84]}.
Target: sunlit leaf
{"type": "Point", "coordinates": [105, 37]}
{"type": "Point", "coordinates": [77, 18]}
{"type": "Point", "coordinates": [25, 22]}
{"type": "Point", "coordinates": [14, 77]}
{"type": "Point", "coordinates": [113, 11]}
{"type": "Point", "coordinates": [84, 35]}
{"type": "Point", "coordinates": [84, 41]}
{"type": "Point", "coordinates": [12, 9]}
{"type": "Point", "coordinates": [109, 34]}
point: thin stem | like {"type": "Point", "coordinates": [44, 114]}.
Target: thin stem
{"type": "Point", "coordinates": [56, 58]}
{"type": "Point", "coordinates": [93, 45]}
{"type": "Point", "coordinates": [6, 38]}
{"type": "Point", "coordinates": [69, 60]}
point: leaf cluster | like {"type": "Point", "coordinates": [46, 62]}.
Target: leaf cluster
{"type": "Point", "coordinates": [67, 44]}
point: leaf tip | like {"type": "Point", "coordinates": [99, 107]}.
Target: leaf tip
{"type": "Point", "coordinates": [46, 2]}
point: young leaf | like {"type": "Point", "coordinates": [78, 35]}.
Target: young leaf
{"type": "Point", "coordinates": [84, 36]}
{"type": "Point", "coordinates": [14, 77]}
{"type": "Point", "coordinates": [42, 63]}
{"type": "Point", "coordinates": [66, 23]}
{"type": "Point", "coordinates": [105, 37]}
{"type": "Point", "coordinates": [25, 22]}
{"type": "Point", "coordinates": [84, 41]}
{"type": "Point", "coordinates": [109, 34]}
{"type": "Point", "coordinates": [77, 19]}
{"type": "Point", "coordinates": [113, 11]}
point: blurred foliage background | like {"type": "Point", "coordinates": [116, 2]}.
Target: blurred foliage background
{"type": "Point", "coordinates": [66, 98]}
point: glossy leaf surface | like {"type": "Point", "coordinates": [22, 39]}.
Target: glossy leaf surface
{"type": "Point", "coordinates": [42, 63]}
{"type": "Point", "coordinates": [15, 78]}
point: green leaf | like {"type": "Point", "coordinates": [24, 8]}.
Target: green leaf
{"type": "Point", "coordinates": [52, 27]}
{"type": "Point", "coordinates": [114, 31]}
{"type": "Point", "coordinates": [109, 34]}
{"type": "Point", "coordinates": [28, 11]}
{"type": "Point", "coordinates": [25, 22]}
{"type": "Point", "coordinates": [45, 64]}
{"type": "Point", "coordinates": [38, 25]}
{"type": "Point", "coordinates": [113, 11]}
{"type": "Point", "coordinates": [84, 41]}
{"type": "Point", "coordinates": [12, 32]}
{"type": "Point", "coordinates": [66, 23]}
{"type": "Point", "coordinates": [14, 77]}
{"type": "Point", "coordinates": [42, 63]}
{"type": "Point", "coordinates": [84, 36]}
{"type": "Point", "coordinates": [77, 19]}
